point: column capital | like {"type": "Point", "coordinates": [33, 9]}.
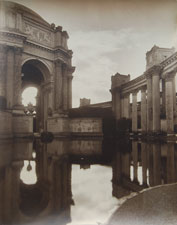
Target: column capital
{"type": "Point", "coordinates": [143, 89]}
{"type": "Point", "coordinates": [134, 92]}
{"type": "Point", "coordinates": [170, 75]}
{"type": "Point", "coordinates": [153, 71]}
{"type": "Point", "coordinates": [58, 62]}
{"type": "Point", "coordinates": [18, 50]}
{"type": "Point", "coordinates": [3, 48]}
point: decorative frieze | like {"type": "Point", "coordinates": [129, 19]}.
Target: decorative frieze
{"type": "Point", "coordinates": [37, 34]}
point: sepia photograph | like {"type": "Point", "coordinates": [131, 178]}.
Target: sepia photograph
{"type": "Point", "coordinates": [88, 112]}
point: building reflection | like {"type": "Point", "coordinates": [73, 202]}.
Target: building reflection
{"type": "Point", "coordinates": [141, 165]}
{"type": "Point", "coordinates": [135, 165]}
{"type": "Point", "coordinates": [50, 195]}
{"type": "Point", "coordinates": [50, 165]}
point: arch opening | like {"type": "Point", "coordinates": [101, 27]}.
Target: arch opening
{"type": "Point", "coordinates": [35, 78]}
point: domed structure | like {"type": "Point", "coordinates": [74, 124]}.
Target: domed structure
{"type": "Point", "coordinates": [32, 53]}
{"type": "Point", "coordinates": [13, 7]}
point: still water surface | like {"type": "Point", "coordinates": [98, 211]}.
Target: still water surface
{"type": "Point", "coordinates": [77, 181]}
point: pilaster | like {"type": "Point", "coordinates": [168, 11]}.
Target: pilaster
{"type": "Point", "coordinates": [65, 88]}
{"type": "Point", "coordinates": [70, 77]}
{"type": "Point", "coordinates": [17, 76]}
{"type": "Point", "coordinates": [58, 86]}
{"type": "Point", "coordinates": [10, 78]}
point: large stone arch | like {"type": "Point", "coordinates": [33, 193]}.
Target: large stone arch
{"type": "Point", "coordinates": [36, 74]}
{"type": "Point", "coordinates": [45, 69]}
{"type": "Point", "coordinates": [27, 39]}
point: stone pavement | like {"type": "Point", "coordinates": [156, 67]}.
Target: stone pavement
{"type": "Point", "coordinates": [156, 206]}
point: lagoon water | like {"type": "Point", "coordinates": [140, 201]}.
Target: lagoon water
{"type": "Point", "coordinates": [78, 181]}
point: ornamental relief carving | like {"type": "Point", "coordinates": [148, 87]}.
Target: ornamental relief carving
{"type": "Point", "coordinates": [37, 35]}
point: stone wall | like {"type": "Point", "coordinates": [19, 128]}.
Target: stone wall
{"type": "Point", "coordinates": [6, 124]}
{"type": "Point", "coordinates": [79, 126]}
{"type": "Point", "coordinates": [86, 126]}
{"type": "Point", "coordinates": [58, 125]}
{"type": "Point", "coordinates": [86, 147]}
{"type": "Point", "coordinates": [22, 125]}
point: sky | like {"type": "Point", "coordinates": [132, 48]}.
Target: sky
{"type": "Point", "coordinates": [109, 36]}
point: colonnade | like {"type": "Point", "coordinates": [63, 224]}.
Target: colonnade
{"type": "Point", "coordinates": [145, 165]}
{"type": "Point", "coordinates": [158, 102]}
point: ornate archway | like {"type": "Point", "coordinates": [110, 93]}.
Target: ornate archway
{"type": "Point", "coordinates": [32, 52]}
{"type": "Point", "coordinates": [36, 74]}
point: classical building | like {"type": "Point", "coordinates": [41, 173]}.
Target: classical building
{"type": "Point", "coordinates": [33, 53]}
{"type": "Point", "coordinates": [157, 88]}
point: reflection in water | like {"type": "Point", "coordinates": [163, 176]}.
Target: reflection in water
{"type": "Point", "coordinates": [36, 184]}
{"type": "Point", "coordinates": [144, 165]}
{"type": "Point", "coordinates": [28, 172]}
{"type": "Point", "coordinates": [92, 193]}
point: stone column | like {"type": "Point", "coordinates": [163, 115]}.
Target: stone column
{"type": "Point", "coordinates": [65, 88]}
{"type": "Point", "coordinates": [125, 162]}
{"type": "Point", "coordinates": [150, 165]}
{"type": "Point", "coordinates": [174, 97]}
{"type": "Point", "coordinates": [10, 78]}
{"type": "Point", "coordinates": [16, 168]}
{"type": "Point", "coordinates": [156, 163]}
{"type": "Point", "coordinates": [169, 101]}
{"type": "Point", "coordinates": [163, 98]}
{"type": "Point", "coordinates": [126, 106]}
{"type": "Point", "coordinates": [58, 86]}
{"type": "Point", "coordinates": [3, 67]}
{"type": "Point", "coordinates": [134, 112]}
{"type": "Point", "coordinates": [143, 110]}
{"type": "Point", "coordinates": [70, 77]}
{"type": "Point", "coordinates": [17, 76]}
{"type": "Point", "coordinates": [70, 91]}
{"type": "Point", "coordinates": [7, 195]}
{"type": "Point", "coordinates": [117, 104]}
{"type": "Point", "coordinates": [144, 161]}
{"type": "Point", "coordinates": [171, 173]}
{"type": "Point", "coordinates": [149, 102]}
{"type": "Point", "coordinates": [122, 106]}
{"type": "Point", "coordinates": [135, 160]}
{"type": "Point", "coordinates": [113, 100]}
{"type": "Point", "coordinates": [156, 98]}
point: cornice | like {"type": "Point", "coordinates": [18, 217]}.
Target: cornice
{"type": "Point", "coordinates": [153, 71]}
{"type": "Point", "coordinates": [134, 81]}
{"type": "Point", "coordinates": [170, 75]}
{"type": "Point", "coordinates": [169, 60]}
{"type": "Point", "coordinates": [13, 34]}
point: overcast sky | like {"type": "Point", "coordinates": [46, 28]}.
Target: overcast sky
{"type": "Point", "coordinates": [109, 36]}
